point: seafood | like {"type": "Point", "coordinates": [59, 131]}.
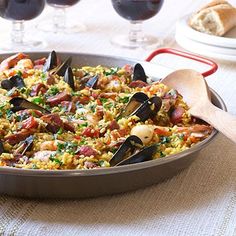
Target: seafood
{"type": "Point", "coordinates": [54, 116]}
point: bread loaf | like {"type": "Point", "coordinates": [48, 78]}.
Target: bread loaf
{"type": "Point", "coordinates": [216, 18]}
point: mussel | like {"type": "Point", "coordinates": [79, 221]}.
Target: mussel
{"type": "Point", "coordinates": [69, 78]}
{"type": "Point", "coordinates": [132, 151]}
{"type": "Point", "coordinates": [92, 82]}
{"type": "Point", "coordinates": [61, 69]}
{"type": "Point", "coordinates": [25, 145]}
{"type": "Point", "coordinates": [142, 106]}
{"type": "Point", "coordinates": [52, 66]}
{"type": "Point", "coordinates": [1, 148]}
{"type": "Point", "coordinates": [134, 102]}
{"type": "Point", "coordinates": [51, 61]}
{"type": "Point", "coordinates": [148, 109]}
{"type": "Point", "coordinates": [14, 81]}
{"type": "Point", "coordinates": [126, 149]}
{"type": "Point", "coordinates": [21, 104]}
{"type": "Point", "coordinates": [145, 154]}
{"type": "Point", "coordinates": [139, 73]}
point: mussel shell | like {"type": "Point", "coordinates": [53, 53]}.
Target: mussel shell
{"type": "Point", "coordinates": [92, 82]}
{"type": "Point", "coordinates": [146, 154]}
{"type": "Point", "coordinates": [61, 69]}
{"type": "Point", "coordinates": [134, 102]}
{"type": "Point", "coordinates": [139, 73]}
{"type": "Point", "coordinates": [17, 81]}
{"type": "Point", "coordinates": [148, 109]}
{"type": "Point", "coordinates": [7, 84]}
{"type": "Point", "coordinates": [51, 62]}
{"type": "Point", "coordinates": [14, 81]}
{"type": "Point", "coordinates": [126, 149]}
{"type": "Point", "coordinates": [69, 78]}
{"type": "Point", "coordinates": [1, 148]}
{"type": "Point", "coordinates": [25, 145]}
{"type": "Point", "coordinates": [21, 104]}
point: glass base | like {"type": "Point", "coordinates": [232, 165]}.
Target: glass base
{"type": "Point", "coordinates": [146, 42]}
{"type": "Point", "coordinates": [46, 26]}
{"type": "Point", "coordinates": [26, 45]}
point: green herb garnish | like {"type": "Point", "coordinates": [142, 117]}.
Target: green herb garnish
{"type": "Point", "coordinates": [124, 99]}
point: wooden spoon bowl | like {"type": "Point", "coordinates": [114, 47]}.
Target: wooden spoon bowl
{"type": "Point", "coordinates": [194, 89]}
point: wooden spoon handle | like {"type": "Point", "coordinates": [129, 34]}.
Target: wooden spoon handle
{"type": "Point", "coordinates": [221, 120]}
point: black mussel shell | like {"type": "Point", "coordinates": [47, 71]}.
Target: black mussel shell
{"type": "Point", "coordinates": [14, 81]}
{"type": "Point", "coordinates": [7, 84]}
{"type": "Point", "coordinates": [146, 154]}
{"type": "Point", "coordinates": [148, 109]}
{"type": "Point", "coordinates": [126, 149]}
{"type": "Point", "coordinates": [69, 78]}
{"type": "Point", "coordinates": [1, 148]}
{"type": "Point", "coordinates": [92, 82]}
{"type": "Point", "coordinates": [139, 73]}
{"type": "Point", "coordinates": [17, 81]}
{"type": "Point", "coordinates": [25, 145]}
{"type": "Point", "coordinates": [21, 104]}
{"type": "Point", "coordinates": [61, 69]}
{"type": "Point", "coordinates": [134, 102]}
{"type": "Point", "coordinates": [51, 61]}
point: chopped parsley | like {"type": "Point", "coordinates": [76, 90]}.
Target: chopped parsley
{"type": "Point", "coordinates": [9, 114]}
{"type": "Point", "coordinates": [52, 91]}
{"type": "Point", "coordinates": [19, 73]}
{"type": "Point", "coordinates": [165, 139]}
{"type": "Point", "coordinates": [83, 125]}
{"type": "Point", "coordinates": [124, 99]}
{"type": "Point", "coordinates": [43, 77]}
{"type": "Point", "coordinates": [38, 101]}
{"type": "Point", "coordinates": [51, 158]}
{"type": "Point", "coordinates": [112, 71]}
{"type": "Point", "coordinates": [103, 100]}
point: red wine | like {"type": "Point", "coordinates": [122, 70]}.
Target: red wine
{"type": "Point", "coordinates": [21, 9]}
{"type": "Point", "coordinates": [62, 3]}
{"type": "Point", "coordinates": [137, 10]}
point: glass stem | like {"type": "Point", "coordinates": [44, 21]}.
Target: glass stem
{"type": "Point", "coordinates": [59, 18]}
{"type": "Point", "coordinates": [17, 33]}
{"type": "Point", "coordinates": [136, 32]}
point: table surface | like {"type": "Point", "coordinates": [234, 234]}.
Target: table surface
{"type": "Point", "coordinates": [201, 200]}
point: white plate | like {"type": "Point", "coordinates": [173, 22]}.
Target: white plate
{"type": "Point", "coordinates": [228, 41]}
{"type": "Point", "coordinates": [203, 49]}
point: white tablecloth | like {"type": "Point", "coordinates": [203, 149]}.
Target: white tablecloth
{"type": "Point", "coordinates": [199, 201]}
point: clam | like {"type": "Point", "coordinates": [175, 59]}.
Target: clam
{"type": "Point", "coordinates": [21, 104]}
{"type": "Point", "coordinates": [132, 151]}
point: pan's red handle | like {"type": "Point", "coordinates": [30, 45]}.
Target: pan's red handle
{"type": "Point", "coordinates": [209, 62]}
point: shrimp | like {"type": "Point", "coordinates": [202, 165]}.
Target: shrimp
{"type": "Point", "coordinates": [197, 130]}
{"type": "Point", "coordinates": [24, 64]}
{"type": "Point", "coordinates": [50, 145]}
{"type": "Point", "coordinates": [12, 61]}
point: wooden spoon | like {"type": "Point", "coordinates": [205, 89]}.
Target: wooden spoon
{"type": "Point", "coordinates": [194, 89]}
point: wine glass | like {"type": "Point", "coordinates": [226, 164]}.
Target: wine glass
{"type": "Point", "coordinates": [19, 11]}
{"type": "Point", "coordinates": [59, 22]}
{"type": "Point", "coordinates": [136, 11]}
